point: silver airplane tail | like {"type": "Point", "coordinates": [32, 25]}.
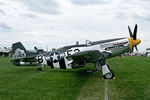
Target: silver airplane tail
{"type": "Point", "coordinates": [18, 51]}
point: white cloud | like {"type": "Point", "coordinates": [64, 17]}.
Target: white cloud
{"type": "Point", "coordinates": [62, 22]}
{"type": "Point", "coordinates": [89, 2]}
{"type": "Point", "coordinates": [43, 6]}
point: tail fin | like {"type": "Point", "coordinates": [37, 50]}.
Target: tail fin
{"type": "Point", "coordinates": [18, 51]}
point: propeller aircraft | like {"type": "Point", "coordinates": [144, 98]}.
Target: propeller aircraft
{"type": "Point", "coordinates": [77, 56]}
{"type": "Point", "coordinates": [5, 51]}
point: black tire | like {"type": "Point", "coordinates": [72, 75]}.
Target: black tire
{"type": "Point", "coordinates": [109, 75]}
{"type": "Point", "coordinates": [17, 63]}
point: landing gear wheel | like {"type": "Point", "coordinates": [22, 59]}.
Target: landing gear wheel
{"type": "Point", "coordinates": [109, 75]}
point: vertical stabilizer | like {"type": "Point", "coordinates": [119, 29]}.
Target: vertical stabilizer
{"type": "Point", "coordinates": [18, 51]}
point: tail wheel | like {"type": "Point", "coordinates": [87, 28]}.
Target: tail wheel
{"type": "Point", "coordinates": [16, 63]}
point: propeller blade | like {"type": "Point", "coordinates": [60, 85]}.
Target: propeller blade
{"type": "Point", "coordinates": [136, 48]}
{"type": "Point", "coordinates": [130, 33]}
{"type": "Point", "coordinates": [131, 50]}
{"type": "Point", "coordinates": [135, 32]}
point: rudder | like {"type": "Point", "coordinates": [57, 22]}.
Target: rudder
{"type": "Point", "coordinates": [18, 51]}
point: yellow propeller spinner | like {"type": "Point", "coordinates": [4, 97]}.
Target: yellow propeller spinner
{"type": "Point", "coordinates": [133, 41]}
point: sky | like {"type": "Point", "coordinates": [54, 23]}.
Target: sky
{"type": "Point", "coordinates": [58, 23]}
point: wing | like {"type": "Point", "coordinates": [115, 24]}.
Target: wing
{"type": "Point", "coordinates": [87, 56]}
{"type": "Point", "coordinates": [105, 41]}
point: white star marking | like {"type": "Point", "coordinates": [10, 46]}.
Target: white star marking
{"type": "Point", "coordinates": [55, 57]}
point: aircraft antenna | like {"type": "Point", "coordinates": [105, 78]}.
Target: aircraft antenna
{"type": "Point", "coordinates": [46, 48]}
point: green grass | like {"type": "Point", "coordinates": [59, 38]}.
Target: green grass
{"type": "Point", "coordinates": [132, 79]}
{"type": "Point", "coordinates": [25, 83]}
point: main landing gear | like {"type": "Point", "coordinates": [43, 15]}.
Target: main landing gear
{"type": "Point", "coordinates": [106, 71]}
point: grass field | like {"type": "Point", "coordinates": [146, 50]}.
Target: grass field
{"type": "Point", "coordinates": [25, 83]}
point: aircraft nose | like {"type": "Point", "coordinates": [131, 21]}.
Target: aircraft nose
{"type": "Point", "coordinates": [137, 41]}
{"type": "Point", "coordinates": [133, 42]}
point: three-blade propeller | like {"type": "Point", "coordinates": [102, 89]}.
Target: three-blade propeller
{"type": "Point", "coordinates": [134, 33]}
{"type": "Point", "coordinates": [133, 41]}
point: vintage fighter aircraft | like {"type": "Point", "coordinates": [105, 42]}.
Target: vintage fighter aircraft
{"type": "Point", "coordinates": [147, 53]}
{"type": "Point", "coordinates": [76, 56]}
{"type": "Point", "coordinates": [21, 56]}
{"type": "Point", "coordinates": [5, 51]}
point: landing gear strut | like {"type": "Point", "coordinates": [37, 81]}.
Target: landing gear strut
{"type": "Point", "coordinates": [106, 71]}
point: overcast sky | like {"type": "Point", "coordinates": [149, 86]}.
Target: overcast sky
{"type": "Point", "coordinates": [63, 22]}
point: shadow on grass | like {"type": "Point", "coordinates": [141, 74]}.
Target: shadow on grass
{"type": "Point", "coordinates": [81, 72]}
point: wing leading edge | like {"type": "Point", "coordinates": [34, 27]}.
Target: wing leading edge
{"type": "Point", "coordinates": [86, 56]}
